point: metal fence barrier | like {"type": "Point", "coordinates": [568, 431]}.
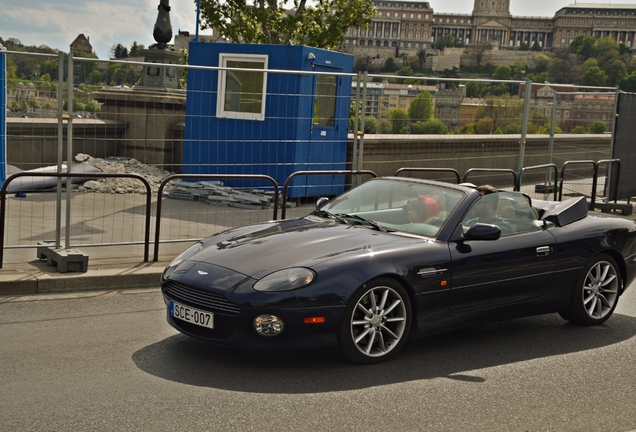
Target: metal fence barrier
{"type": "Point", "coordinates": [207, 176]}
{"type": "Point", "coordinates": [69, 176]}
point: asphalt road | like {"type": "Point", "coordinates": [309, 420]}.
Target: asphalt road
{"type": "Point", "coordinates": [106, 361]}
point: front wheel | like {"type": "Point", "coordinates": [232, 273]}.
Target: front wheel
{"type": "Point", "coordinates": [376, 322]}
{"type": "Point", "coordinates": [595, 296]}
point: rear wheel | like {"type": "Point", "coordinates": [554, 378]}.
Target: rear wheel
{"type": "Point", "coordinates": [595, 295]}
{"type": "Point", "coordinates": [376, 322]}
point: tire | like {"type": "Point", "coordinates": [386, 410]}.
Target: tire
{"type": "Point", "coordinates": [376, 322]}
{"type": "Point", "coordinates": [595, 295]}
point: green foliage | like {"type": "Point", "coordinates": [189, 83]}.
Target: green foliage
{"type": "Point", "coordinates": [421, 108]}
{"type": "Point", "coordinates": [371, 125]}
{"type": "Point", "coordinates": [615, 71]}
{"type": "Point", "coordinates": [484, 126]}
{"type": "Point", "coordinates": [33, 103]}
{"type": "Point", "coordinates": [536, 46]}
{"type": "Point", "coordinates": [469, 129]}
{"type": "Point", "coordinates": [578, 130]}
{"type": "Point", "coordinates": [390, 65]}
{"type": "Point", "coordinates": [501, 111]}
{"type": "Point", "coordinates": [503, 72]}
{"type": "Point", "coordinates": [498, 131]}
{"type": "Point", "coordinates": [512, 128]}
{"type": "Point", "coordinates": [629, 83]}
{"type": "Point", "coordinates": [541, 62]}
{"type": "Point", "coordinates": [276, 22]}
{"type": "Point", "coordinates": [135, 49]}
{"type": "Point", "coordinates": [118, 51]}
{"type": "Point", "coordinates": [384, 126]}
{"type": "Point", "coordinates": [598, 127]}
{"type": "Point", "coordinates": [448, 41]}
{"type": "Point", "coordinates": [431, 126]}
{"type": "Point", "coordinates": [475, 89]}
{"type": "Point", "coordinates": [594, 76]}
{"type": "Point", "coordinates": [399, 119]}
{"type": "Point", "coordinates": [92, 107]}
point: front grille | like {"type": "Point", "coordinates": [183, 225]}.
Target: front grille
{"type": "Point", "coordinates": [200, 298]}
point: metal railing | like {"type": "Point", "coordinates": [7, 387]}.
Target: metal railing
{"type": "Point", "coordinates": [69, 176]}
{"type": "Point", "coordinates": [207, 176]}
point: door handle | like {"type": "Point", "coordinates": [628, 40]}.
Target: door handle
{"type": "Point", "coordinates": [543, 250]}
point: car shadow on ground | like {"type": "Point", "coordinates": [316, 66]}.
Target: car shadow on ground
{"type": "Point", "coordinates": [457, 355]}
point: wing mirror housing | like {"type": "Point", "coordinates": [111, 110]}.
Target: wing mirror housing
{"type": "Point", "coordinates": [481, 231]}
{"type": "Point", "coordinates": [321, 202]}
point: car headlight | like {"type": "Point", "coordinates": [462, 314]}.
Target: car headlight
{"type": "Point", "coordinates": [286, 280]}
{"type": "Point", "coordinates": [180, 258]}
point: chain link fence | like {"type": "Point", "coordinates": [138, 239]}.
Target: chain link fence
{"type": "Point", "coordinates": [107, 122]}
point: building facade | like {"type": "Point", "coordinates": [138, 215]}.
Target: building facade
{"type": "Point", "coordinates": [409, 26]}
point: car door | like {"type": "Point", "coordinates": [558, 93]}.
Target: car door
{"type": "Point", "coordinates": [516, 267]}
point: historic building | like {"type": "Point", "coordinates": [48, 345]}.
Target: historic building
{"type": "Point", "coordinates": [409, 26]}
{"type": "Point", "coordinates": [82, 44]}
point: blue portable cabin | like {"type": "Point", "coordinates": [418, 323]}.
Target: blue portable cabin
{"type": "Point", "coordinates": [268, 123]}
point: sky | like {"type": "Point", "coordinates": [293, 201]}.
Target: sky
{"type": "Point", "coordinates": [57, 23]}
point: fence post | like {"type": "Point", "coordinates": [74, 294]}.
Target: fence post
{"type": "Point", "coordinates": [356, 115]}
{"type": "Point", "coordinates": [524, 123]}
{"type": "Point", "coordinates": [60, 147]}
{"type": "Point", "coordinates": [356, 181]}
{"type": "Point", "coordinates": [69, 150]}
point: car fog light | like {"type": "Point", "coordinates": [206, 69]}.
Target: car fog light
{"type": "Point", "coordinates": [268, 325]}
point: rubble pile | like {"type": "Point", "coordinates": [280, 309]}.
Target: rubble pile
{"type": "Point", "coordinates": [118, 165]}
{"type": "Point", "coordinates": [209, 192]}
{"type": "Point", "coordinates": [215, 193]}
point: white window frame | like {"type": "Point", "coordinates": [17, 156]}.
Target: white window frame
{"type": "Point", "coordinates": [220, 100]}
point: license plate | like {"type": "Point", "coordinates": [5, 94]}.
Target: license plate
{"type": "Point", "coordinates": [192, 315]}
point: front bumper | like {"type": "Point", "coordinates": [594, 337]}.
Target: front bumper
{"type": "Point", "coordinates": [234, 321]}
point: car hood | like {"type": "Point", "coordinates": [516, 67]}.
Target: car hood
{"type": "Point", "coordinates": [259, 250]}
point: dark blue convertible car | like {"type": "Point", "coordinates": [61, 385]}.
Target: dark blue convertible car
{"type": "Point", "coordinates": [399, 258]}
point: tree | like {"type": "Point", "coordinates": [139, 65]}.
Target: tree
{"type": "Point", "coordinates": [475, 89]}
{"type": "Point", "coordinates": [578, 129]}
{"type": "Point", "coordinates": [541, 62]}
{"type": "Point", "coordinates": [421, 108]}
{"type": "Point", "coordinates": [118, 51]}
{"type": "Point", "coordinates": [448, 41]}
{"type": "Point", "coordinates": [606, 49]}
{"type": "Point", "coordinates": [562, 71]}
{"type": "Point", "coordinates": [503, 72]}
{"type": "Point", "coordinates": [629, 83]}
{"type": "Point", "coordinates": [519, 67]}
{"type": "Point", "coordinates": [390, 65]}
{"type": "Point", "coordinates": [272, 21]}
{"type": "Point", "coordinates": [399, 119]}
{"type": "Point", "coordinates": [92, 107]}
{"type": "Point", "coordinates": [34, 104]}
{"type": "Point", "coordinates": [598, 127]}
{"type": "Point", "coordinates": [484, 126]}
{"type": "Point", "coordinates": [430, 127]}
{"type": "Point", "coordinates": [501, 111]}
{"type": "Point", "coordinates": [513, 128]}
{"type": "Point", "coordinates": [536, 47]}
{"type": "Point", "coordinates": [135, 49]}
{"type": "Point", "coordinates": [421, 56]}
{"type": "Point", "coordinates": [594, 76]}
{"type": "Point", "coordinates": [615, 71]}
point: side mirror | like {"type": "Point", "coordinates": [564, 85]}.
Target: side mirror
{"type": "Point", "coordinates": [321, 202]}
{"type": "Point", "coordinates": [481, 231]}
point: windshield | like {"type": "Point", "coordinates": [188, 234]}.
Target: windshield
{"type": "Point", "coordinates": [393, 205]}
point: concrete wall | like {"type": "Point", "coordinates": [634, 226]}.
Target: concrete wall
{"type": "Point", "coordinates": [385, 154]}
{"type": "Point", "coordinates": [32, 143]}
